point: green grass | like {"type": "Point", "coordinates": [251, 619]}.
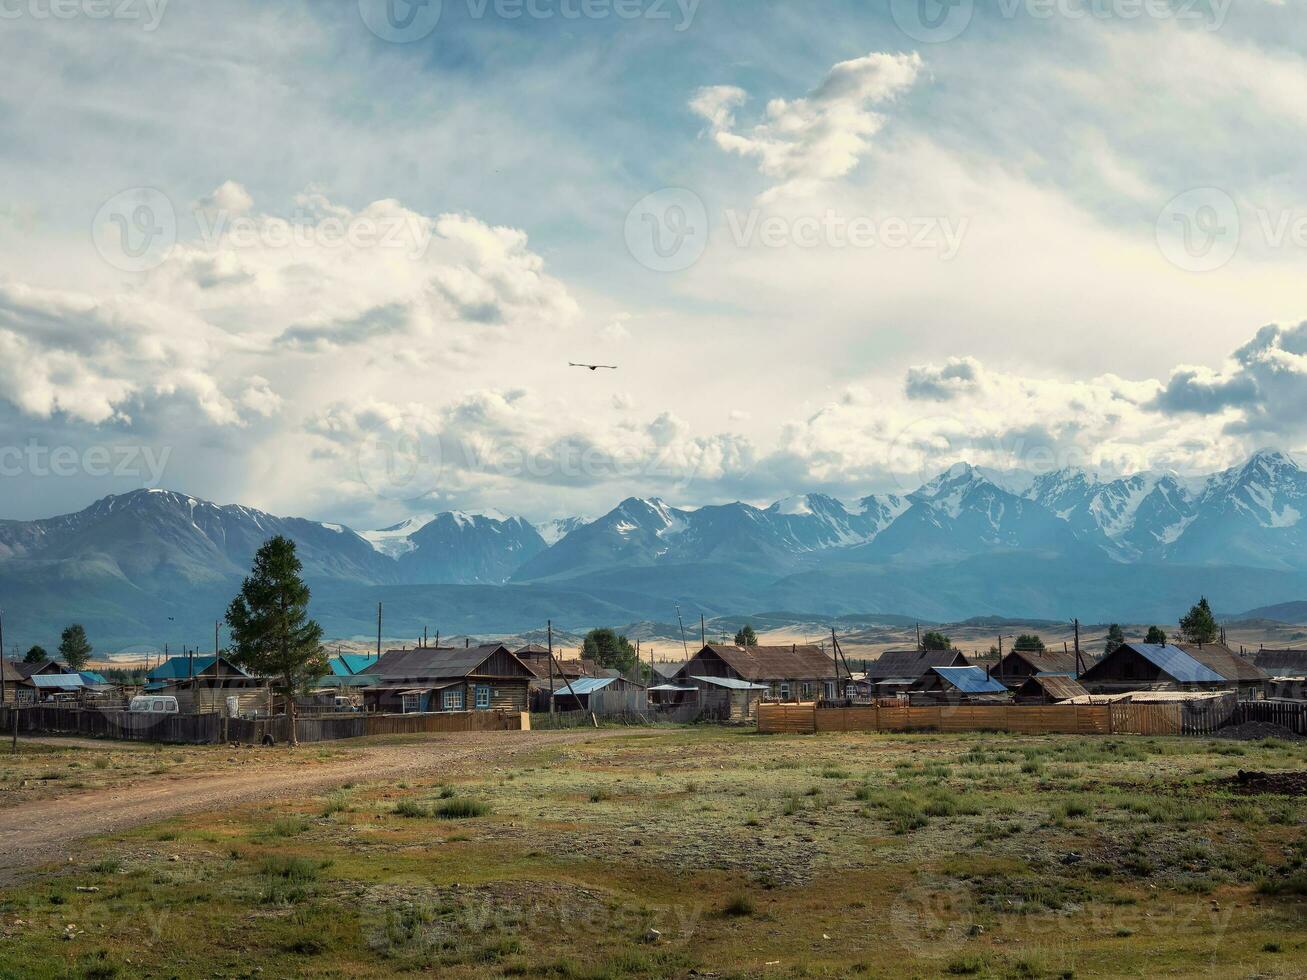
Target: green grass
{"type": "Point", "coordinates": [918, 855]}
{"type": "Point", "coordinates": [461, 808]}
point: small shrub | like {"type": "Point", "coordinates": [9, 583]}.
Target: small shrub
{"type": "Point", "coordinates": [409, 807]}
{"type": "Point", "coordinates": [461, 808]}
{"type": "Point", "coordinates": [741, 905]}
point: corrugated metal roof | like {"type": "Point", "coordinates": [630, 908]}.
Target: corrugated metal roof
{"type": "Point", "coordinates": [585, 685]}
{"type": "Point", "coordinates": [175, 668]}
{"type": "Point", "coordinates": [731, 683]}
{"type": "Point", "coordinates": [912, 664]}
{"type": "Point", "coordinates": [1173, 661]}
{"type": "Point", "coordinates": [673, 688]}
{"type": "Point", "coordinates": [970, 680]}
{"type": "Point", "coordinates": [58, 680]}
{"type": "Point", "coordinates": [433, 662]}
{"type": "Point", "coordinates": [351, 663]}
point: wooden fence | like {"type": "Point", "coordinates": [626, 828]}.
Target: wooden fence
{"type": "Point", "coordinates": [213, 729]}
{"type": "Point", "coordinates": [1286, 714]}
{"type": "Point", "coordinates": [1069, 719]}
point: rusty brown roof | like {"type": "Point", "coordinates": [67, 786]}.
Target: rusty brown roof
{"type": "Point", "coordinates": [1224, 661]}
{"type": "Point", "coordinates": [774, 663]}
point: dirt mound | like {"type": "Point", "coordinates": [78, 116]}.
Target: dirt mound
{"type": "Point", "coordinates": [1255, 731]}
{"type": "Point", "coordinates": [1283, 783]}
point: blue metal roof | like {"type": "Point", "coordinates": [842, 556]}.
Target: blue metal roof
{"type": "Point", "coordinates": [585, 685]}
{"type": "Point", "coordinates": [58, 681]}
{"type": "Point", "coordinates": [91, 677]}
{"type": "Point", "coordinates": [348, 664]}
{"type": "Point", "coordinates": [175, 668]}
{"type": "Point", "coordinates": [732, 683]}
{"type": "Point", "coordinates": [1174, 662]}
{"type": "Point", "coordinates": [970, 680]}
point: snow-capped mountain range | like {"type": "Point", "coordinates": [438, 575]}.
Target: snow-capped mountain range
{"type": "Point", "coordinates": [968, 541]}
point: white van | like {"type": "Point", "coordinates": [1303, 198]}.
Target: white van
{"type": "Point", "coordinates": [153, 704]}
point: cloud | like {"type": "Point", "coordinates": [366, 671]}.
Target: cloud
{"type": "Point", "coordinates": [1264, 385]}
{"type": "Point", "coordinates": [229, 197]}
{"type": "Point", "coordinates": [809, 141]}
{"type": "Point", "coordinates": [957, 377]}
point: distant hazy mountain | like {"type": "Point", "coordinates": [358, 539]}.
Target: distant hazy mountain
{"type": "Point", "coordinates": [968, 542]}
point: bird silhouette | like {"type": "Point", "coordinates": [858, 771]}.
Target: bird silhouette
{"type": "Point", "coordinates": [594, 367]}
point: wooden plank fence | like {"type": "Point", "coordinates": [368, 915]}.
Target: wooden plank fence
{"type": "Point", "coordinates": [1172, 718]}
{"type": "Point", "coordinates": [1286, 714]}
{"type": "Point", "coordinates": [212, 729]}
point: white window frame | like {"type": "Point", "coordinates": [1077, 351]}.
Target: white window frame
{"type": "Point", "coordinates": [451, 699]}
{"type": "Point", "coordinates": [413, 699]}
{"type": "Point", "coordinates": [785, 690]}
{"type": "Point", "coordinates": [483, 695]}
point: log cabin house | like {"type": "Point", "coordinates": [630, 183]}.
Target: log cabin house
{"type": "Point", "coordinates": [1174, 667]}
{"type": "Point", "coordinates": [434, 679]}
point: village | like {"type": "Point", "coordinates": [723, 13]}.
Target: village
{"type": "Point", "coordinates": [486, 808]}
{"type": "Point", "coordinates": [1194, 684]}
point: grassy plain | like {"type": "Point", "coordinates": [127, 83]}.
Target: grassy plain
{"type": "Point", "coordinates": [875, 855]}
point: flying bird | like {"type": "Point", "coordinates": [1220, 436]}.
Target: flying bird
{"type": "Point", "coordinates": [595, 367]}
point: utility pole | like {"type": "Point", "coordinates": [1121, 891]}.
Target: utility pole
{"type": "Point", "coordinates": [549, 631]}
{"type": "Point", "coordinates": [378, 631]}
{"type": "Point", "coordinates": [918, 637]}
{"type": "Point", "coordinates": [684, 645]}
{"type": "Point", "coordinates": [216, 649]}
{"type": "Point", "coordinates": [3, 665]}
{"type": "Point", "coordinates": [1080, 663]}
{"type": "Point", "coordinates": [703, 633]}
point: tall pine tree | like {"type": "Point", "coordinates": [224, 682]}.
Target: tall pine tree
{"type": "Point", "coordinates": [272, 635]}
{"type": "Point", "coordinates": [1199, 625]}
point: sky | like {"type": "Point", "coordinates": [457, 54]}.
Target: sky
{"type": "Point", "coordinates": [334, 258]}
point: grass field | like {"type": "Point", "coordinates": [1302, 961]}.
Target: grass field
{"type": "Point", "coordinates": [875, 855]}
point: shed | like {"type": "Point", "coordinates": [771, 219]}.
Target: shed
{"type": "Point", "coordinates": [1018, 666]}
{"type": "Point", "coordinates": [1281, 663]}
{"type": "Point", "coordinates": [599, 694]}
{"type": "Point", "coordinates": [1049, 689]}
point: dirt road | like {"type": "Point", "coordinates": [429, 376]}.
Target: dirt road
{"type": "Point", "coordinates": [46, 831]}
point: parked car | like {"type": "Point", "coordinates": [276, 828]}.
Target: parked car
{"type": "Point", "coordinates": [153, 705]}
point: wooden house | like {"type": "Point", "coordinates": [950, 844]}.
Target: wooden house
{"type": "Point", "coordinates": [956, 685]}
{"type": "Point", "coordinates": [896, 671]}
{"type": "Point", "coordinates": [1174, 667]}
{"type": "Point", "coordinates": [207, 685]}
{"type": "Point", "coordinates": [790, 673]}
{"type": "Point", "coordinates": [1281, 663]}
{"type": "Point", "coordinates": [732, 680]}
{"type": "Point", "coordinates": [431, 679]}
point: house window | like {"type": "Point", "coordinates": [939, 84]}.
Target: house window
{"type": "Point", "coordinates": [807, 691]}
{"type": "Point", "coordinates": [830, 690]}
{"type": "Point", "coordinates": [483, 697]}
{"type": "Point", "coordinates": [785, 691]}
{"type": "Point", "coordinates": [453, 699]}
{"type": "Point", "coordinates": [412, 703]}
